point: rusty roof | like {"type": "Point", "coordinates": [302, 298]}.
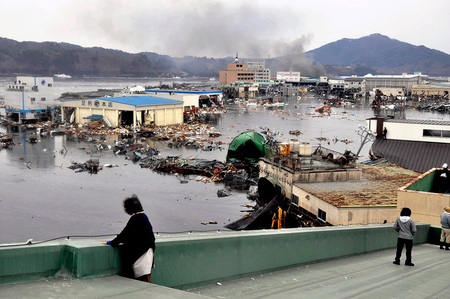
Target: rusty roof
{"type": "Point", "coordinates": [377, 187]}
{"type": "Point", "coordinates": [414, 155]}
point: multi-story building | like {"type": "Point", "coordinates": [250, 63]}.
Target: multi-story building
{"type": "Point", "coordinates": [30, 98]}
{"type": "Point", "coordinates": [262, 74]}
{"type": "Point", "coordinates": [353, 83]}
{"type": "Point", "coordinates": [236, 71]}
{"type": "Point", "coordinates": [290, 77]}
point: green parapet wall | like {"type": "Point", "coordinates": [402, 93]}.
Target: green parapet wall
{"type": "Point", "coordinates": [29, 262]}
{"type": "Point", "coordinates": [425, 184]}
{"type": "Point", "coordinates": [196, 261]}
{"type": "Point", "coordinates": [191, 260]}
{"type": "Point", "coordinates": [89, 258]}
{"type": "Point", "coordinates": [68, 258]}
{"type": "Point", "coordinates": [434, 235]}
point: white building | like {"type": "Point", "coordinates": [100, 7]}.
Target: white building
{"type": "Point", "coordinates": [353, 82]}
{"type": "Point", "coordinates": [404, 81]}
{"type": "Point", "coordinates": [288, 76]}
{"type": "Point", "coordinates": [30, 98]}
{"type": "Point", "coordinates": [336, 84]}
{"type": "Point", "coordinates": [124, 111]}
{"type": "Point", "coordinates": [262, 74]}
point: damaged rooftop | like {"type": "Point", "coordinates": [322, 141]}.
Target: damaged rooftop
{"type": "Point", "coordinates": [378, 187]}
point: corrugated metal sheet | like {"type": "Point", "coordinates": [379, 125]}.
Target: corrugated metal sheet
{"type": "Point", "coordinates": [417, 156]}
{"type": "Point", "coordinates": [419, 121]}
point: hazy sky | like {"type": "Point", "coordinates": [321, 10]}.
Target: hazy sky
{"type": "Point", "coordinates": [220, 28]}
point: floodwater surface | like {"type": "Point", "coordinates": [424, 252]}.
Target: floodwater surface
{"type": "Point", "coordinates": [41, 198]}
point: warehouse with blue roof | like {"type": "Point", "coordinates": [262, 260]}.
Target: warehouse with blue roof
{"type": "Point", "coordinates": [191, 99]}
{"type": "Point", "coordinates": [123, 111]}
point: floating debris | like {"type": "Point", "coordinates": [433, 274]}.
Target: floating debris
{"type": "Point", "coordinates": [6, 141]}
{"type": "Point", "coordinates": [223, 193]}
{"type": "Point", "coordinates": [295, 132]}
{"type": "Point", "coordinates": [324, 109]}
{"type": "Point", "coordinates": [208, 222]}
{"type": "Point", "coordinates": [92, 166]}
{"type": "Point", "coordinates": [32, 139]}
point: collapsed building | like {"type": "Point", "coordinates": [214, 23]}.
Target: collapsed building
{"type": "Point", "coordinates": [325, 187]}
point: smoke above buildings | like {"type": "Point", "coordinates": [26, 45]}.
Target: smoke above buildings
{"type": "Point", "coordinates": [204, 29]}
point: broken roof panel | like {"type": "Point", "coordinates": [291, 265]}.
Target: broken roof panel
{"type": "Point", "coordinates": [377, 187]}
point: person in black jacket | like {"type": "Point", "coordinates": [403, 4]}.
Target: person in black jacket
{"type": "Point", "coordinates": [137, 240]}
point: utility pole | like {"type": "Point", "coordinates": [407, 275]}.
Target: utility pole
{"type": "Point", "coordinates": [366, 136]}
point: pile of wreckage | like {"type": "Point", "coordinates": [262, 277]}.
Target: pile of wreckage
{"type": "Point", "coordinates": [195, 143]}
{"type": "Point", "coordinates": [206, 170]}
{"type": "Point", "coordinates": [92, 166]}
{"type": "Point", "coordinates": [6, 141]}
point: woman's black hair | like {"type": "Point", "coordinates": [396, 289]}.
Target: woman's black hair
{"type": "Point", "coordinates": [405, 212]}
{"type": "Point", "coordinates": [132, 205]}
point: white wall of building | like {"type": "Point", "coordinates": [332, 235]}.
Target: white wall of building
{"type": "Point", "coordinates": [410, 131]}
{"type": "Point", "coordinates": [30, 93]}
{"type": "Point", "coordinates": [262, 74]}
{"type": "Point", "coordinates": [288, 76]}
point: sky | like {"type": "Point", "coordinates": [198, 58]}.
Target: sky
{"type": "Point", "coordinates": [222, 28]}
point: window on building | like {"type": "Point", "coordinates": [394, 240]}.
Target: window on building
{"type": "Point", "coordinates": [42, 99]}
{"type": "Point", "coordinates": [322, 215]}
{"type": "Point", "coordinates": [295, 199]}
{"type": "Point", "coordinates": [436, 133]}
{"type": "Point", "coordinates": [32, 100]}
{"type": "Point", "coordinates": [50, 85]}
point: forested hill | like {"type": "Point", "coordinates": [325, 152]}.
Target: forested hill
{"type": "Point", "coordinates": [383, 55]}
{"type": "Point", "coordinates": [376, 54]}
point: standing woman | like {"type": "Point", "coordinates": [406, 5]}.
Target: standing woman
{"type": "Point", "coordinates": [138, 242]}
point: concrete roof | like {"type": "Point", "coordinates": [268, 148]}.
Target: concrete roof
{"type": "Point", "coordinates": [99, 287]}
{"type": "Point", "coordinates": [378, 187]}
{"type": "Point", "coordinates": [364, 276]}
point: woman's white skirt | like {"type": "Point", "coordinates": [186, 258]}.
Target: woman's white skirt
{"type": "Point", "coordinates": [143, 265]}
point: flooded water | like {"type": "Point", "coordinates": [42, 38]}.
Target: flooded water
{"type": "Point", "coordinates": [42, 199]}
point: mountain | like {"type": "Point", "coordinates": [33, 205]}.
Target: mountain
{"type": "Point", "coordinates": [375, 54]}
{"type": "Point", "coordinates": [49, 58]}
{"type": "Point", "coordinates": [380, 54]}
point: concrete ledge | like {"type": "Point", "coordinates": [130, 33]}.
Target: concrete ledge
{"type": "Point", "coordinates": [195, 261]}
{"type": "Point", "coordinates": [185, 261]}
{"type": "Point", "coordinates": [73, 258]}
{"type": "Point", "coordinates": [29, 262]}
